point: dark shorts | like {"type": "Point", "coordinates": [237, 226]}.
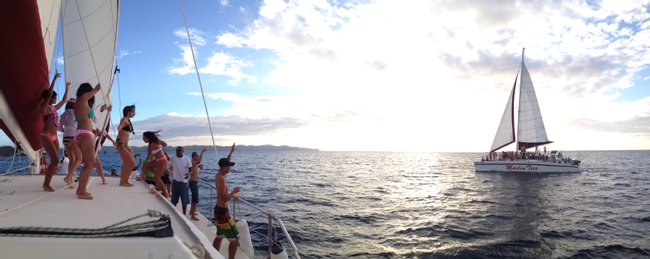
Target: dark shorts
{"type": "Point", "coordinates": [165, 179]}
{"type": "Point", "coordinates": [180, 190]}
{"type": "Point", "coordinates": [225, 224]}
{"type": "Point", "coordinates": [194, 189]}
{"type": "Point", "coordinates": [67, 140]}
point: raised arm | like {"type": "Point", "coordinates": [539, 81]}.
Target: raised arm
{"type": "Point", "coordinates": [201, 155]}
{"type": "Point", "coordinates": [50, 90]}
{"type": "Point", "coordinates": [232, 149]}
{"type": "Point", "coordinates": [65, 97]}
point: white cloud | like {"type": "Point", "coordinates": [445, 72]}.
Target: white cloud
{"type": "Point", "coordinates": [218, 63]}
{"type": "Point", "coordinates": [197, 36]}
{"type": "Point", "coordinates": [435, 75]}
{"type": "Point", "coordinates": [123, 53]}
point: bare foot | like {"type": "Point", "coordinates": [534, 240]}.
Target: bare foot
{"type": "Point", "coordinates": [48, 188]}
{"type": "Point", "coordinates": [126, 184]}
{"type": "Point", "coordinates": [85, 196]}
{"type": "Point", "coordinates": [68, 182]}
{"type": "Point", "coordinates": [194, 217]}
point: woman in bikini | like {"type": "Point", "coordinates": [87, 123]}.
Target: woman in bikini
{"type": "Point", "coordinates": [122, 144]}
{"type": "Point", "coordinates": [69, 128]}
{"type": "Point", "coordinates": [50, 125]}
{"type": "Point", "coordinates": [85, 136]}
{"type": "Point", "coordinates": [156, 156]}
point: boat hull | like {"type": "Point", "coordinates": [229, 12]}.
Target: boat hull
{"type": "Point", "coordinates": [525, 166]}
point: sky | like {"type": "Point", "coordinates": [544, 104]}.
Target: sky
{"type": "Point", "coordinates": [384, 75]}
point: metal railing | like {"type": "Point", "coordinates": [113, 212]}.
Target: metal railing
{"type": "Point", "coordinates": [270, 216]}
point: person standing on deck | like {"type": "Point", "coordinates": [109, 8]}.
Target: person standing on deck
{"type": "Point", "coordinates": [122, 145]}
{"type": "Point", "coordinates": [167, 184]}
{"type": "Point", "coordinates": [194, 182]}
{"type": "Point", "coordinates": [180, 173]}
{"type": "Point", "coordinates": [156, 156]}
{"type": "Point", "coordinates": [225, 224]}
{"type": "Point", "coordinates": [51, 122]}
{"type": "Point", "coordinates": [69, 128]}
{"type": "Point", "coordinates": [85, 136]}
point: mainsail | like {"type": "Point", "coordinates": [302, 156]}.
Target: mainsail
{"type": "Point", "coordinates": [530, 131]}
{"type": "Point", "coordinates": [90, 36]}
{"type": "Point", "coordinates": [49, 11]}
{"type": "Point", "coordinates": [27, 40]}
{"type": "Point", "coordinates": [530, 126]}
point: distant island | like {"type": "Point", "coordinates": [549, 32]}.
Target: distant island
{"type": "Point", "coordinates": [9, 150]}
{"type": "Point", "coordinates": [226, 148]}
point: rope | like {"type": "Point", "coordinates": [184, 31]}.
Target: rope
{"type": "Point", "coordinates": [92, 57]}
{"type": "Point", "coordinates": [160, 227]}
{"type": "Point", "coordinates": [196, 68]}
{"type": "Point", "coordinates": [13, 158]}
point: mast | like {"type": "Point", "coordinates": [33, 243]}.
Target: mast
{"type": "Point", "coordinates": [530, 127]}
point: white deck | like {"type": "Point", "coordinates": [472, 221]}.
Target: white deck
{"type": "Point", "coordinates": [24, 203]}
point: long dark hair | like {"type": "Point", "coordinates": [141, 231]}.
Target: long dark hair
{"type": "Point", "coordinates": [152, 136]}
{"type": "Point", "coordinates": [70, 104]}
{"type": "Point", "coordinates": [46, 94]}
{"type": "Point", "coordinates": [127, 109]}
{"type": "Point", "coordinates": [84, 88]}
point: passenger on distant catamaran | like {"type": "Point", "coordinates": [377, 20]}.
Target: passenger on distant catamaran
{"type": "Point", "coordinates": [50, 125]}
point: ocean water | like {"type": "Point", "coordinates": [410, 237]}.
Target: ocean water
{"type": "Point", "coordinates": [433, 205]}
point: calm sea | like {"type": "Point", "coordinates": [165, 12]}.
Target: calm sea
{"type": "Point", "coordinates": [433, 205]}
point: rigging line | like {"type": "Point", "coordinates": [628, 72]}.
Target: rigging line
{"type": "Point", "coordinates": [90, 50]}
{"type": "Point", "coordinates": [107, 120]}
{"type": "Point", "coordinates": [58, 51]}
{"type": "Point", "coordinates": [205, 105]}
{"type": "Point", "coordinates": [118, 71]}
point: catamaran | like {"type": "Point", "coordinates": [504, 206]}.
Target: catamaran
{"type": "Point", "coordinates": [120, 222]}
{"type": "Point", "coordinates": [530, 134]}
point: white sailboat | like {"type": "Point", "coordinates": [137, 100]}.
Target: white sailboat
{"type": "Point", "coordinates": [120, 222]}
{"type": "Point", "coordinates": [531, 133]}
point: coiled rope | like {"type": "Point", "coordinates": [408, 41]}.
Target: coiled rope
{"type": "Point", "coordinates": [160, 227]}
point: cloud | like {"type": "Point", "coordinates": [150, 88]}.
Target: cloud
{"type": "Point", "coordinates": [197, 36]}
{"type": "Point", "coordinates": [419, 75]}
{"type": "Point", "coordinates": [218, 63]}
{"type": "Point", "coordinates": [123, 53]}
{"type": "Point", "coordinates": [177, 126]}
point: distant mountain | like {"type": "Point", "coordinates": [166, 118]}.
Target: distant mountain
{"type": "Point", "coordinates": [9, 150]}
{"type": "Point", "coordinates": [192, 148]}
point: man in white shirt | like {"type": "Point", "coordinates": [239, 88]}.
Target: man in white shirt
{"type": "Point", "coordinates": [180, 174]}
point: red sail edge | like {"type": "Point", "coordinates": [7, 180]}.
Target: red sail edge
{"type": "Point", "coordinates": [23, 70]}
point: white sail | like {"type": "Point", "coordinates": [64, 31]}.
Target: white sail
{"type": "Point", "coordinates": [89, 39]}
{"type": "Point", "coordinates": [49, 11]}
{"type": "Point", "coordinates": [530, 131]}
{"type": "Point", "coordinates": [506, 131]}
